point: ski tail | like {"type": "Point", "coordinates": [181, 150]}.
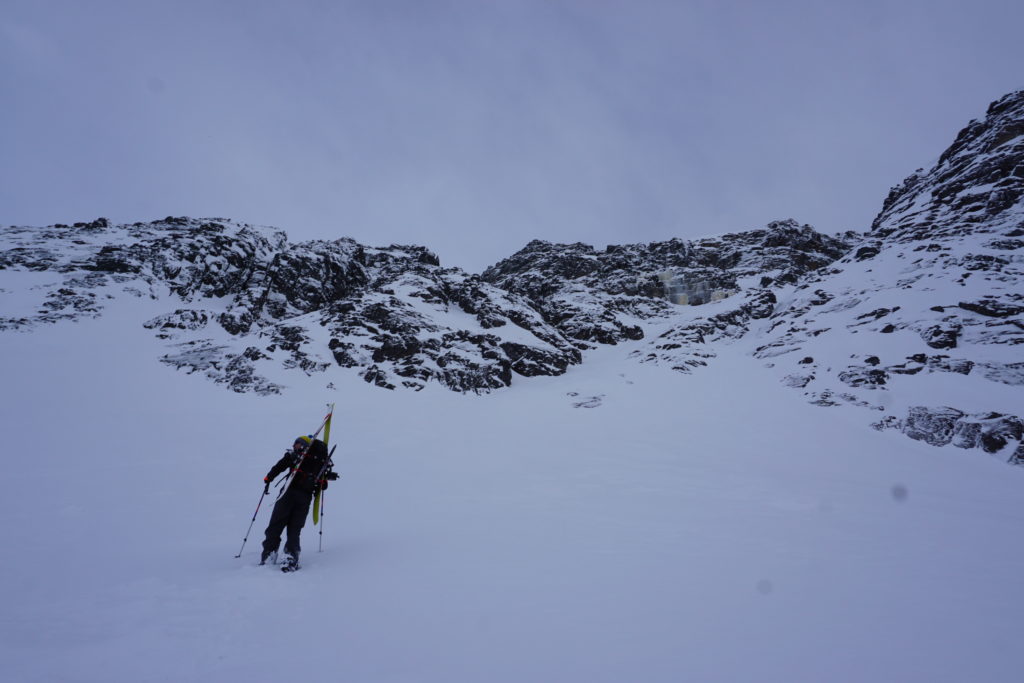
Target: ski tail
{"type": "Point", "coordinates": [319, 491]}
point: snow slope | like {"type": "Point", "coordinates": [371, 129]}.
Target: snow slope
{"type": "Point", "coordinates": [621, 522]}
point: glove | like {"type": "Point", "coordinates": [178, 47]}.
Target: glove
{"type": "Point", "coordinates": [331, 476]}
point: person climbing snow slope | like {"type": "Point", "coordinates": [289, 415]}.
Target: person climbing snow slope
{"type": "Point", "coordinates": [306, 459]}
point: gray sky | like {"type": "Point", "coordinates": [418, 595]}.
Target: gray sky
{"type": "Point", "coordinates": [474, 126]}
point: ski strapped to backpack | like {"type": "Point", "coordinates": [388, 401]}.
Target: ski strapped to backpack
{"type": "Point", "coordinates": [326, 424]}
{"type": "Point", "coordinates": [328, 464]}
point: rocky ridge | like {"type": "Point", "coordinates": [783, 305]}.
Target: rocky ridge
{"type": "Point", "coordinates": [606, 297]}
{"type": "Point", "coordinates": [919, 322]}
{"type": "Point", "coordinates": [935, 292]}
{"type": "Point", "coordinates": [242, 301]}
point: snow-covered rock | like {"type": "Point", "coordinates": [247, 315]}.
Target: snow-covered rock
{"type": "Point", "coordinates": [935, 287]}
{"type": "Point", "coordinates": [243, 301]}
{"type": "Point", "coordinates": [605, 296]}
{"type": "Point", "coordinates": [920, 320]}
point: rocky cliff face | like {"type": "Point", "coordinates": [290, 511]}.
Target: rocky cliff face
{"type": "Point", "coordinates": [243, 301]}
{"type": "Point", "coordinates": [975, 188]}
{"type": "Point", "coordinates": [924, 320]}
{"type": "Point", "coordinates": [920, 322]}
{"type": "Point", "coordinates": [607, 297]}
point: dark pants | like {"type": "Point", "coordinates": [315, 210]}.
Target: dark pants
{"type": "Point", "coordinates": [289, 512]}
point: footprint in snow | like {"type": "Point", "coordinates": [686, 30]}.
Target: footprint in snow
{"type": "Point", "coordinates": [589, 402]}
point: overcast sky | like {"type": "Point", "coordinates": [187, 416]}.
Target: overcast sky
{"type": "Point", "coordinates": [474, 126]}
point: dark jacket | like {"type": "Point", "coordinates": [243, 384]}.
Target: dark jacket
{"type": "Point", "coordinates": [309, 466]}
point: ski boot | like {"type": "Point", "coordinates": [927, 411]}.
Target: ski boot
{"type": "Point", "coordinates": [291, 563]}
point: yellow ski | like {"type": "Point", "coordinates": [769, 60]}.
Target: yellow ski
{"type": "Point", "coordinates": [327, 437]}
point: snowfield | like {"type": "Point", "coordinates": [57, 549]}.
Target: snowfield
{"type": "Point", "coordinates": [620, 523]}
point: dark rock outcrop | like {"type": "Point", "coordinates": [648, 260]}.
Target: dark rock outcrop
{"type": "Point", "coordinates": [993, 433]}
{"type": "Point", "coordinates": [600, 297]}
{"type": "Point", "coordinates": [245, 301]}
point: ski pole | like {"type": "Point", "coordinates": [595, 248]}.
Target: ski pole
{"type": "Point", "coordinates": [319, 511]}
{"type": "Point", "coordinates": [266, 490]}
